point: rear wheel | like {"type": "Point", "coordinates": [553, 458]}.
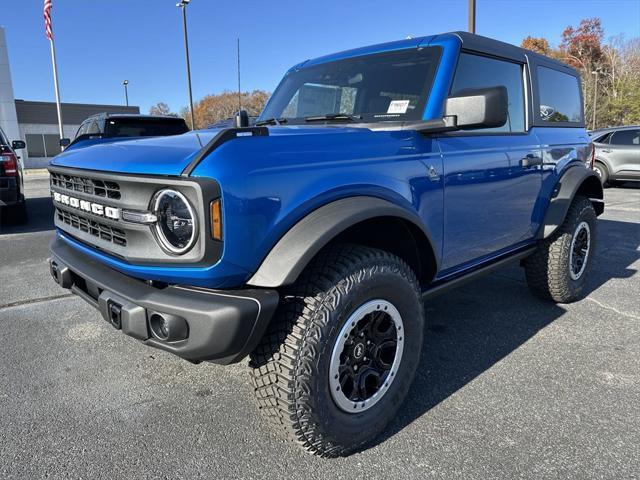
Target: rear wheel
{"type": "Point", "coordinates": [601, 170]}
{"type": "Point", "coordinates": [559, 269]}
{"type": "Point", "coordinates": [341, 352]}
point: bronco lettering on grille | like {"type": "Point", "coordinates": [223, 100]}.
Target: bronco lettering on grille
{"type": "Point", "coordinates": [91, 207]}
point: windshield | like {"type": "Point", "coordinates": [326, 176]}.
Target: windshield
{"type": "Point", "coordinates": [381, 87]}
{"type": "Point", "coordinates": [144, 127]}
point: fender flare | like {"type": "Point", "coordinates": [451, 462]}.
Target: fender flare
{"type": "Point", "coordinates": [571, 181]}
{"type": "Point", "coordinates": [295, 249]}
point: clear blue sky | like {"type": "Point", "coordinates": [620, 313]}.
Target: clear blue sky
{"type": "Point", "coordinates": [101, 42]}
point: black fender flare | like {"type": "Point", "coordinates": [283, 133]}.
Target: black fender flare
{"type": "Point", "coordinates": [573, 180]}
{"type": "Point", "coordinates": [295, 249]}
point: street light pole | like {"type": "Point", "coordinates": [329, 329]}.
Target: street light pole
{"type": "Point", "coordinates": [595, 97]}
{"type": "Point", "coordinates": [126, 93]}
{"type": "Point", "coordinates": [183, 4]}
{"type": "Point", "coordinates": [472, 16]}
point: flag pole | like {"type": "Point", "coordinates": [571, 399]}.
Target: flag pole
{"type": "Point", "coordinates": [55, 83]}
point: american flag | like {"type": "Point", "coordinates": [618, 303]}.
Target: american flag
{"type": "Point", "coordinates": [47, 19]}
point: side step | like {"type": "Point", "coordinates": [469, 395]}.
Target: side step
{"type": "Point", "coordinates": [442, 286]}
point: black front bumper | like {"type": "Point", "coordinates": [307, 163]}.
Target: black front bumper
{"type": "Point", "coordinates": [221, 326]}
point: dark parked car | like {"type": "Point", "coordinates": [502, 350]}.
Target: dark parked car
{"type": "Point", "coordinates": [107, 127]}
{"type": "Point", "coordinates": [12, 201]}
{"type": "Point", "coordinates": [617, 154]}
{"type": "Point", "coordinates": [374, 179]}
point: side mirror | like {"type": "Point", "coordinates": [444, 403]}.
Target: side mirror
{"type": "Point", "coordinates": [479, 107]}
{"type": "Point", "coordinates": [64, 142]}
{"type": "Point", "coordinates": [242, 119]}
{"type": "Point", "coordinates": [18, 145]}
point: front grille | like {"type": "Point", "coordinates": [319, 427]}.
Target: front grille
{"type": "Point", "coordinates": [99, 188]}
{"type": "Point", "coordinates": [97, 229]}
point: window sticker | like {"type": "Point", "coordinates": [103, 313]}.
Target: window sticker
{"type": "Point", "coordinates": [398, 106]}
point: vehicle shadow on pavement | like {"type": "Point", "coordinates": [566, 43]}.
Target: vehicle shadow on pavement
{"type": "Point", "coordinates": [39, 218]}
{"type": "Point", "coordinates": [471, 329]}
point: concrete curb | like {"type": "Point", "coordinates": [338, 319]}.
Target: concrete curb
{"type": "Point", "coordinates": [36, 171]}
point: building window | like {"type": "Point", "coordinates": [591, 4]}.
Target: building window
{"type": "Point", "coordinates": [35, 145]}
{"type": "Point", "coordinates": [42, 145]}
{"type": "Point", "coordinates": [51, 145]}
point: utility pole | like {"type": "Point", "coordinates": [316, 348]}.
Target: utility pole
{"type": "Point", "coordinates": [595, 97]}
{"type": "Point", "coordinates": [472, 16]}
{"type": "Point", "coordinates": [126, 93]}
{"type": "Point", "coordinates": [183, 4]}
{"type": "Point", "coordinates": [239, 91]}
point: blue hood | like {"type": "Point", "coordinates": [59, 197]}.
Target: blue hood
{"type": "Point", "coordinates": [162, 155]}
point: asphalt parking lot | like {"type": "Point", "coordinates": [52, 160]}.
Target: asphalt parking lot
{"type": "Point", "coordinates": [509, 387]}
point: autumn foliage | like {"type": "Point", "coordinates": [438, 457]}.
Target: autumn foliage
{"type": "Point", "coordinates": [610, 71]}
{"type": "Point", "coordinates": [213, 108]}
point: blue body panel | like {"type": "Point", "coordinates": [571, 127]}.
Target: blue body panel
{"type": "Point", "coordinates": [470, 190]}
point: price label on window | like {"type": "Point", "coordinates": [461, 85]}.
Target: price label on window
{"type": "Point", "coordinates": [398, 106]}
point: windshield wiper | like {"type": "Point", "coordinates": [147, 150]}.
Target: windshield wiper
{"type": "Point", "coordinates": [333, 116]}
{"type": "Point", "coordinates": [271, 121]}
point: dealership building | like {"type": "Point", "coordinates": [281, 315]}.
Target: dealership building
{"type": "Point", "coordinates": [37, 122]}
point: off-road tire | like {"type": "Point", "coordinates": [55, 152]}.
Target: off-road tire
{"type": "Point", "coordinates": [548, 269]}
{"type": "Point", "coordinates": [290, 367]}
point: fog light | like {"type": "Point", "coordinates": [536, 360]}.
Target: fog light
{"type": "Point", "coordinates": [167, 327]}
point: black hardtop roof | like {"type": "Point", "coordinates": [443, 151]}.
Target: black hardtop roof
{"type": "Point", "coordinates": [478, 43]}
{"type": "Point", "coordinates": [105, 115]}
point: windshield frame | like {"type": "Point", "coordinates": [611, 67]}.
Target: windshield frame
{"type": "Point", "coordinates": [358, 118]}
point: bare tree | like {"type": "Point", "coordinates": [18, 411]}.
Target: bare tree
{"type": "Point", "coordinates": [161, 108]}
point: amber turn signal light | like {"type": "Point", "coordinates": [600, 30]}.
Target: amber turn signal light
{"type": "Point", "coordinates": [216, 219]}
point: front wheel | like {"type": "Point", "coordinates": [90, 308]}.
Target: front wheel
{"type": "Point", "coordinates": [558, 270]}
{"type": "Point", "coordinates": [341, 352]}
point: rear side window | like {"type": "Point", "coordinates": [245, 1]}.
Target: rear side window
{"type": "Point", "coordinates": [559, 97]}
{"type": "Point", "coordinates": [137, 127]}
{"type": "Point", "coordinates": [475, 71]}
{"type": "Point", "coordinates": [602, 138]}
{"type": "Point", "coordinates": [626, 137]}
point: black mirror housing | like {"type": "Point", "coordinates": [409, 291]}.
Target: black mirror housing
{"type": "Point", "coordinates": [242, 119]}
{"type": "Point", "coordinates": [64, 142]}
{"type": "Point", "coordinates": [479, 107]}
{"type": "Point", "coordinates": [18, 145]}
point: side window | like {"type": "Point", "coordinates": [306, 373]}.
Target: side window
{"type": "Point", "coordinates": [626, 137]}
{"type": "Point", "coordinates": [475, 71]}
{"type": "Point", "coordinates": [559, 96]}
{"type": "Point", "coordinates": [603, 138]}
{"type": "Point", "coordinates": [94, 128]}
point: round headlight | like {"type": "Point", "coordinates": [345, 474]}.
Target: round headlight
{"type": "Point", "coordinates": [176, 227]}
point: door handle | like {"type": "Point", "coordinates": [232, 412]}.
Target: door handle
{"type": "Point", "coordinates": [530, 160]}
{"type": "Point", "coordinates": [606, 150]}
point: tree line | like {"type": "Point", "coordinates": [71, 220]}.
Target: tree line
{"type": "Point", "coordinates": [214, 108]}
{"type": "Point", "coordinates": [610, 74]}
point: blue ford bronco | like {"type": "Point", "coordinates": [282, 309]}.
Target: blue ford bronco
{"type": "Point", "coordinates": [374, 179]}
